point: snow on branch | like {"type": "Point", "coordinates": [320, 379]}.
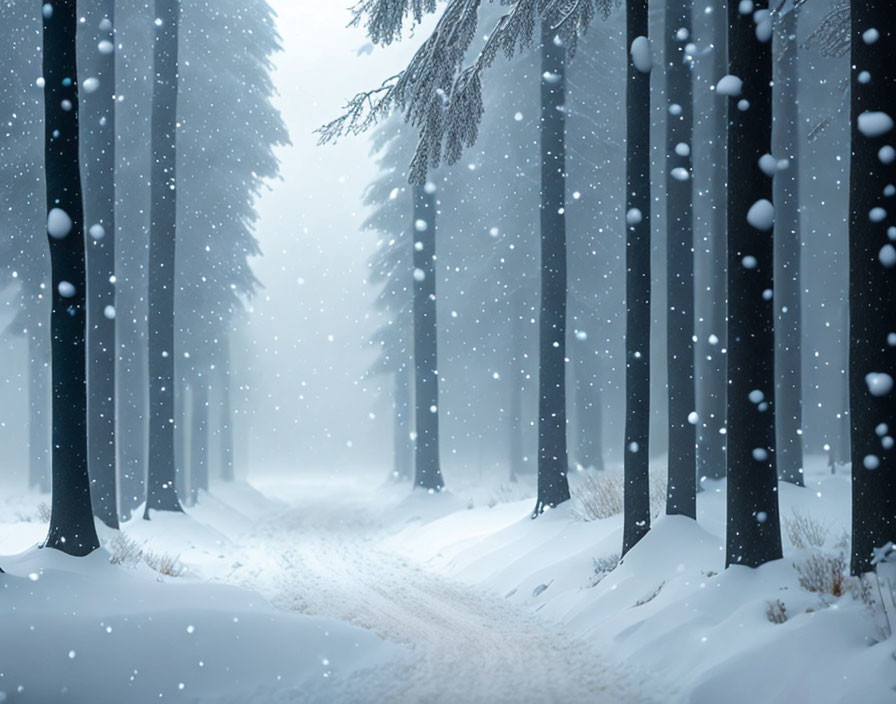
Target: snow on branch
{"type": "Point", "coordinates": [436, 93]}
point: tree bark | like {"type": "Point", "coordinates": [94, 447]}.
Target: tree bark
{"type": "Point", "coordinates": [788, 238]}
{"type": "Point", "coordinates": [637, 287]}
{"type": "Point", "coordinates": [753, 531]}
{"type": "Point", "coordinates": [428, 473]}
{"type": "Point", "coordinates": [872, 287]}
{"type": "Point", "coordinates": [681, 496]}
{"type": "Point", "coordinates": [71, 517]}
{"type": "Point", "coordinates": [161, 494]}
{"type": "Point", "coordinates": [98, 109]}
{"type": "Point", "coordinates": [553, 463]}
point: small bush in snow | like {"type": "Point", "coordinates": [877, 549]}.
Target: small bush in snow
{"type": "Point", "coordinates": [602, 567]}
{"type": "Point", "coordinates": [124, 551]}
{"type": "Point", "coordinates": [164, 563]}
{"type": "Point", "coordinates": [599, 495]}
{"type": "Point", "coordinates": [650, 597]}
{"type": "Point", "coordinates": [878, 590]}
{"type": "Point", "coordinates": [823, 573]}
{"type": "Point", "coordinates": [659, 487]}
{"type": "Point", "coordinates": [776, 612]}
{"type": "Point", "coordinates": [805, 531]}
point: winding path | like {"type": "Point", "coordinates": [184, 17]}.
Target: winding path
{"type": "Point", "coordinates": [324, 556]}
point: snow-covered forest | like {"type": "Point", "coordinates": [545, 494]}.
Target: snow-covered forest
{"type": "Point", "coordinates": [447, 351]}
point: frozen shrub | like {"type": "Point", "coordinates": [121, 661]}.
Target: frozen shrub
{"type": "Point", "coordinates": [878, 590]}
{"type": "Point", "coordinates": [124, 551]}
{"type": "Point", "coordinates": [650, 597]}
{"type": "Point", "coordinates": [598, 494]}
{"type": "Point", "coordinates": [658, 488]}
{"type": "Point", "coordinates": [164, 563]}
{"type": "Point", "coordinates": [823, 573]}
{"type": "Point", "coordinates": [776, 612]}
{"type": "Point", "coordinates": [805, 531]}
{"type": "Point", "coordinates": [602, 567]}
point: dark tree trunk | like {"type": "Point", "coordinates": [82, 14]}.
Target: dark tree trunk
{"type": "Point", "coordinates": [161, 494]}
{"type": "Point", "coordinates": [637, 286]}
{"type": "Point", "coordinates": [225, 416]}
{"type": "Point", "coordinates": [753, 531]}
{"type": "Point", "coordinates": [198, 437]}
{"type": "Point", "coordinates": [402, 426]}
{"type": "Point", "coordinates": [71, 519]}
{"type": "Point", "coordinates": [98, 108]}
{"type": "Point", "coordinates": [553, 485]}
{"type": "Point", "coordinates": [38, 416]}
{"type": "Point", "coordinates": [788, 234]}
{"type": "Point", "coordinates": [681, 497]}
{"type": "Point", "coordinates": [710, 173]}
{"type": "Point", "coordinates": [428, 473]}
{"type": "Point", "coordinates": [872, 286]}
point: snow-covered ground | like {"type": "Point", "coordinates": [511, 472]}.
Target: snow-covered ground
{"type": "Point", "coordinates": [346, 590]}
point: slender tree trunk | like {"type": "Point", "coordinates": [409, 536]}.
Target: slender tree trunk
{"type": "Point", "coordinates": [753, 532]}
{"type": "Point", "coordinates": [637, 282]}
{"type": "Point", "coordinates": [710, 174]}
{"type": "Point", "coordinates": [39, 402]}
{"type": "Point", "coordinates": [402, 426]}
{"type": "Point", "coordinates": [681, 497]}
{"type": "Point", "coordinates": [553, 464]}
{"type": "Point", "coordinates": [872, 283]}
{"type": "Point", "coordinates": [198, 437]}
{"type": "Point", "coordinates": [161, 494]}
{"type": "Point", "coordinates": [225, 415]}
{"type": "Point", "coordinates": [71, 518]}
{"type": "Point", "coordinates": [98, 108]}
{"type": "Point", "coordinates": [788, 237]}
{"type": "Point", "coordinates": [428, 473]}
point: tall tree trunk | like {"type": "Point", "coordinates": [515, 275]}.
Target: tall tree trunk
{"type": "Point", "coordinates": [681, 496]}
{"type": "Point", "coordinates": [637, 278]}
{"type": "Point", "coordinates": [710, 210]}
{"type": "Point", "coordinates": [98, 108]}
{"type": "Point", "coordinates": [872, 282]}
{"type": "Point", "coordinates": [428, 473]}
{"type": "Point", "coordinates": [401, 431]}
{"type": "Point", "coordinates": [753, 531]}
{"type": "Point", "coordinates": [71, 518]}
{"type": "Point", "coordinates": [553, 464]}
{"type": "Point", "coordinates": [788, 237]}
{"type": "Point", "coordinates": [38, 416]}
{"type": "Point", "coordinates": [225, 415]}
{"type": "Point", "coordinates": [198, 436]}
{"type": "Point", "coordinates": [161, 494]}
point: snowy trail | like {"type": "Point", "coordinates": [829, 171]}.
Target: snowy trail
{"type": "Point", "coordinates": [324, 556]}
